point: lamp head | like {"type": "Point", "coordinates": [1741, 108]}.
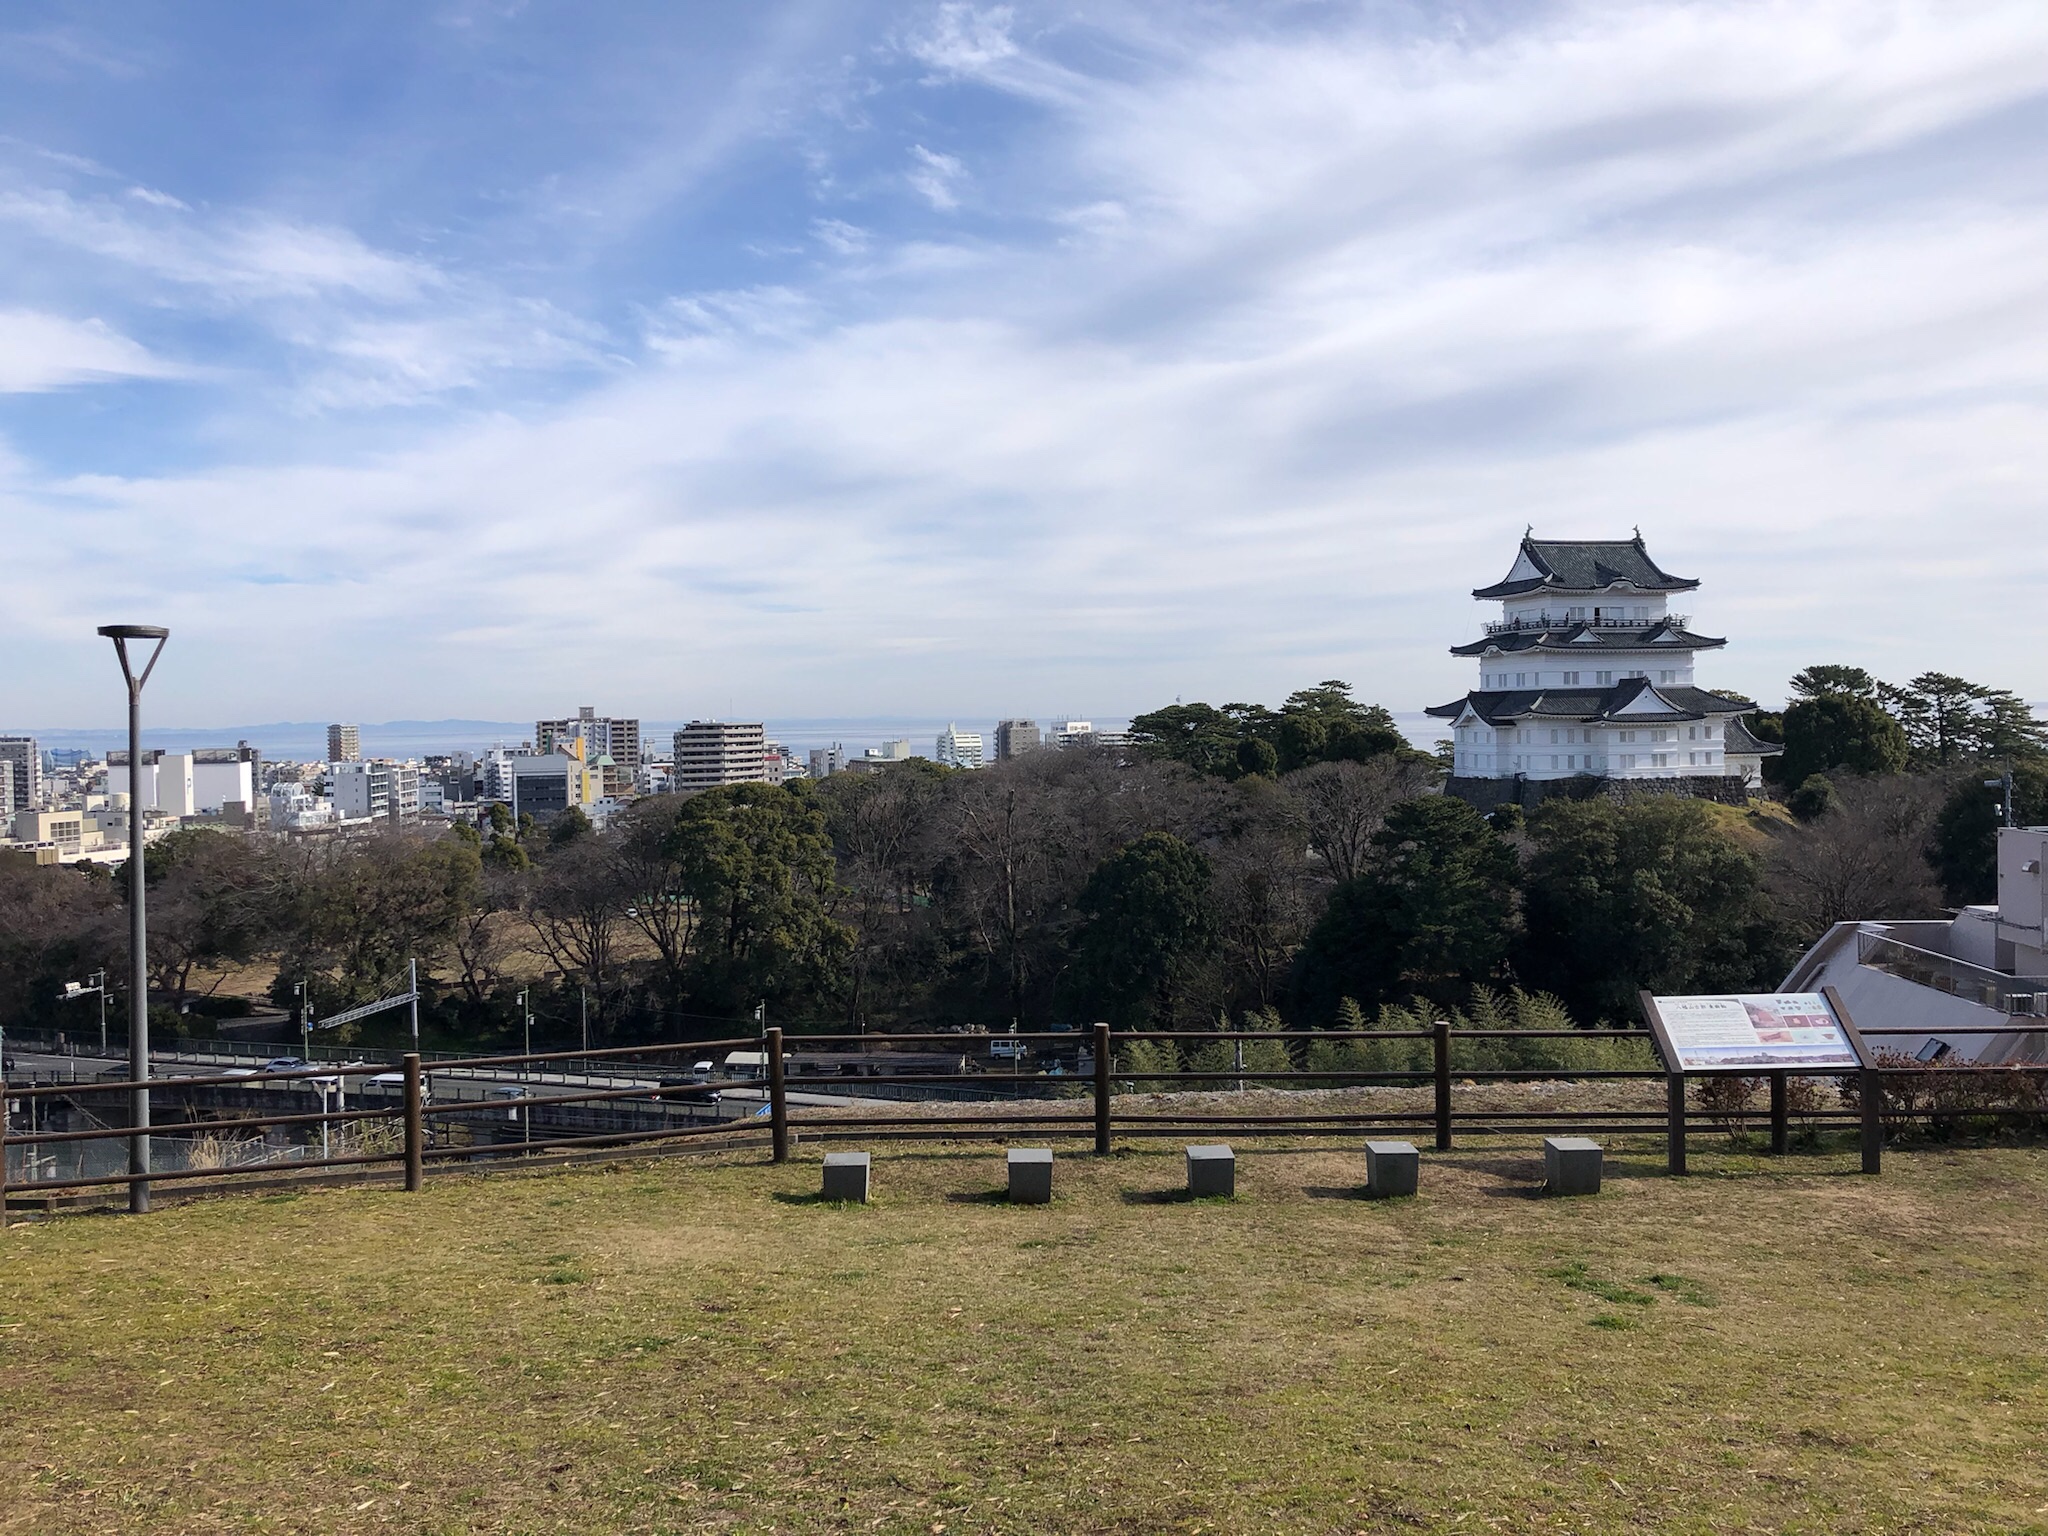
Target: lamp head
{"type": "Point", "coordinates": [134, 631]}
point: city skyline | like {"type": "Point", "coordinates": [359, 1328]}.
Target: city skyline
{"type": "Point", "coordinates": [804, 361]}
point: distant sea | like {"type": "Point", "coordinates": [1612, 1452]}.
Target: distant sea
{"type": "Point", "coordinates": [306, 741]}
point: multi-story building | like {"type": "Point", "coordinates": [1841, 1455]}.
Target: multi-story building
{"type": "Point", "coordinates": [344, 744]}
{"type": "Point", "coordinates": [826, 761]}
{"type": "Point", "coordinates": [602, 736]}
{"type": "Point", "coordinates": [1071, 733]}
{"type": "Point", "coordinates": [6, 783]}
{"type": "Point", "coordinates": [223, 777]}
{"type": "Point", "coordinates": [383, 789]}
{"type": "Point", "coordinates": [714, 752]}
{"type": "Point", "coordinates": [163, 783]}
{"type": "Point", "coordinates": [24, 789]}
{"type": "Point", "coordinates": [1588, 673]}
{"type": "Point", "coordinates": [1016, 737]}
{"type": "Point", "coordinates": [959, 749]}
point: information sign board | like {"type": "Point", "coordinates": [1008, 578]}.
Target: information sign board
{"type": "Point", "coordinates": [1753, 1032]}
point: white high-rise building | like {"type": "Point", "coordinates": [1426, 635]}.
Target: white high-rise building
{"type": "Point", "coordinates": [381, 788]}
{"type": "Point", "coordinates": [1588, 672]}
{"type": "Point", "coordinates": [958, 748]}
{"type": "Point", "coordinates": [710, 753]}
{"type": "Point", "coordinates": [344, 744]}
{"type": "Point", "coordinates": [24, 791]}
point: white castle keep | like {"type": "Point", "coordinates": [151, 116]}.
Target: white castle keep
{"type": "Point", "coordinates": [1588, 673]}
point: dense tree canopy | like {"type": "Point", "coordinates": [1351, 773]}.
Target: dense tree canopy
{"type": "Point", "coordinates": [1648, 894]}
{"type": "Point", "coordinates": [1432, 915]}
{"type": "Point", "coordinates": [1148, 922]}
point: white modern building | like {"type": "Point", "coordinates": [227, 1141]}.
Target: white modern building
{"type": "Point", "coordinates": [710, 753]}
{"type": "Point", "coordinates": [1588, 672]}
{"type": "Point", "coordinates": [959, 749]}
{"type": "Point", "coordinates": [224, 776]}
{"type": "Point", "coordinates": [163, 783]}
{"type": "Point", "coordinates": [1950, 979]}
{"type": "Point", "coordinates": [23, 788]}
{"type": "Point", "coordinates": [381, 789]}
{"type": "Point", "coordinates": [603, 736]}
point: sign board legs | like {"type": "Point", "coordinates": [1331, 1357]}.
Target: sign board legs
{"type": "Point", "coordinates": [1674, 1106]}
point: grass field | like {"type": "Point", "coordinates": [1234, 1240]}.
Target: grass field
{"type": "Point", "coordinates": [695, 1345]}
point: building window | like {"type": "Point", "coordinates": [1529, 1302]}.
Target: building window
{"type": "Point", "coordinates": [1710, 733]}
{"type": "Point", "coordinates": [1628, 759]}
{"type": "Point", "coordinates": [1660, 759]}
{"type": "Point", "coordinates": [1628, 735]}
{"type": "Point", "coordinates": [1606, 679]}
{"type": "Point", "coordinates": [1571, 679]}
{"type": "Point", "coordinates": [1665, 677]}
{"type": "Point", "coordinates": [1570, 761]}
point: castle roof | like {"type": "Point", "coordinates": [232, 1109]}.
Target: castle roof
{"type": "Point", "coordinates": [1633, 700]}
{"type": "Point", "coordinates": [1667, 635]}
{"type": "Point", "coordinates": [1743, 742]}
{"type": "Point", "coordinates": [1588, 565]}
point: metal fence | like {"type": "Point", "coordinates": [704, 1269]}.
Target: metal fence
{"type": "Point", "coordinates": [481, 1111]}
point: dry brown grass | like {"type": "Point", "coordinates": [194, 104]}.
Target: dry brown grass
{"type": "Point", "coordinates": [695, 1345]}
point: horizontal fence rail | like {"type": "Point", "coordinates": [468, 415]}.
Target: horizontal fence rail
{"type": "Point", "coordinates": [403, 1118]}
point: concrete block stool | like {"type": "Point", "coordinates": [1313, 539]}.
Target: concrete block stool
{"type": "Point", "coordinates": [1391, 1168]}
{"type": "Point", "coordinates": [1211, 1171]}
{"type": "Point", "coordinates": [846, 1176]}
{"type": "Point", "coordinates": [1571, 1165]}
{"type": "Point", "coordinates": [1031, 1175]}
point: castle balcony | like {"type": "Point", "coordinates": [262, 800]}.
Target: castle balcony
{"type": "Point", "coordinates": [1537, 623]}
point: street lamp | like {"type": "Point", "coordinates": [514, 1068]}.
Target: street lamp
{"type": "Point", "coordinates": [528, 1013]}
{"type": "Point", "coordinates": [96, 982]}
{"type": "Point", "coordinates": [138, 928]}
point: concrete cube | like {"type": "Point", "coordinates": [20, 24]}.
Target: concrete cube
{"type": "Point", "coordinates": [1571, 1165]}
{"type": "Point", "coordinates": [1211, 1171]}
{"type": "Point", "coordinates": [1391, 1168]}
{"type": "Point", "coordinates": [1031, 1175]}
{"type": "Point", "coordinates": [846, 1176]}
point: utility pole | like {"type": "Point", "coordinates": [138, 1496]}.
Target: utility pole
{"type": "Point", "coordinates": [528, 1013]}
{"type": "Point", "coordinates": [138, 926]}
{"type": "Point", "coordinates": [583, 993]}
{"type": "Point", "coordinates": [412, 972]}
{"type": "Point", "coordinates": [2004, 782]}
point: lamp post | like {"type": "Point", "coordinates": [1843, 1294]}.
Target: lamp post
{"type": "Point", "coordinates": [138, 927]}
{"type": "Point", "coordinates": [527, 1013]}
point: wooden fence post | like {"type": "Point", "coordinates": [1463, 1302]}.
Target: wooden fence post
{"type": "Point", "coordinates": [415, 1127]}
{"type": "Point", "coordinates": [1441, 1041]}
{"type": "Point", "coordinates": [1102, 1090]}
{"type": "Point", "coordinates": [1674, 1124]}
{"type": "Point", "coordinates": [1781, 1127]}
{"type": "Point", "coordinates": [1871, 1096]}
{"type": "Point", "coordinates": [778, 1101]}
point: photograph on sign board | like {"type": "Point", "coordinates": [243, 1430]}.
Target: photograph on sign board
{"type": "Point", "coordinates": [1755, 1032]}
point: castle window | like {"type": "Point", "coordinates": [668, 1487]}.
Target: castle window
{"type": "Point", "coordinates": [1606, 679]}
{"type": "Point", "coordinates": [1571, 679]}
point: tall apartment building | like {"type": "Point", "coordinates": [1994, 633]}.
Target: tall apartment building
{"type": "Point", "coordinates": [959, 749]}
{"type": "Point", "coordinates": [826, 761]}
{"type": "Point", "coordinates": [25, 790]}
{"type": "Point", "coordinates": [382, 788]}
{"type": "Point", "coordinates": [602, 736]}
{"type": "Point", "coordinates": [714, 752]}
{"type": "Point", "coordinates": [1016, 737]}
{"type": "Point", "coordinates": [344, 744]}
{"type": "Point", "coordinates": [6, 782]}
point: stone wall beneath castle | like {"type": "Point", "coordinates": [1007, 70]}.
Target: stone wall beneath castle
{"type": "Point", "coordinates": [1485, 794]}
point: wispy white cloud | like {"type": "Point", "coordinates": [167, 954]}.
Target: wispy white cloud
{"type": "Point", "coordinates": [936, 177]}
{"type": "Point", "coordinates": [40, 352]}
{"type": "Point", "coordinates": [1289, 330]}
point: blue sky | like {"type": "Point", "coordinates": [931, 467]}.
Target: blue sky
{"type": "Point", "coordinates": [477, 359]}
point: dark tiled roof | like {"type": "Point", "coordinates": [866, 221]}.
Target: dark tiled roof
{"type": "Point", "coordinates": [1741, 741]}
{"type": "Point", "coordinates": [1496, 706]}
{"type": "Point", "coordinates": [1589, 565]}
{"type": "Point", "coordinates": [1512, 641]}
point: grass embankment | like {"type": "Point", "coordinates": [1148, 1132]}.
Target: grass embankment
{"type": "Point", "coordinates": [694, 1345]}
